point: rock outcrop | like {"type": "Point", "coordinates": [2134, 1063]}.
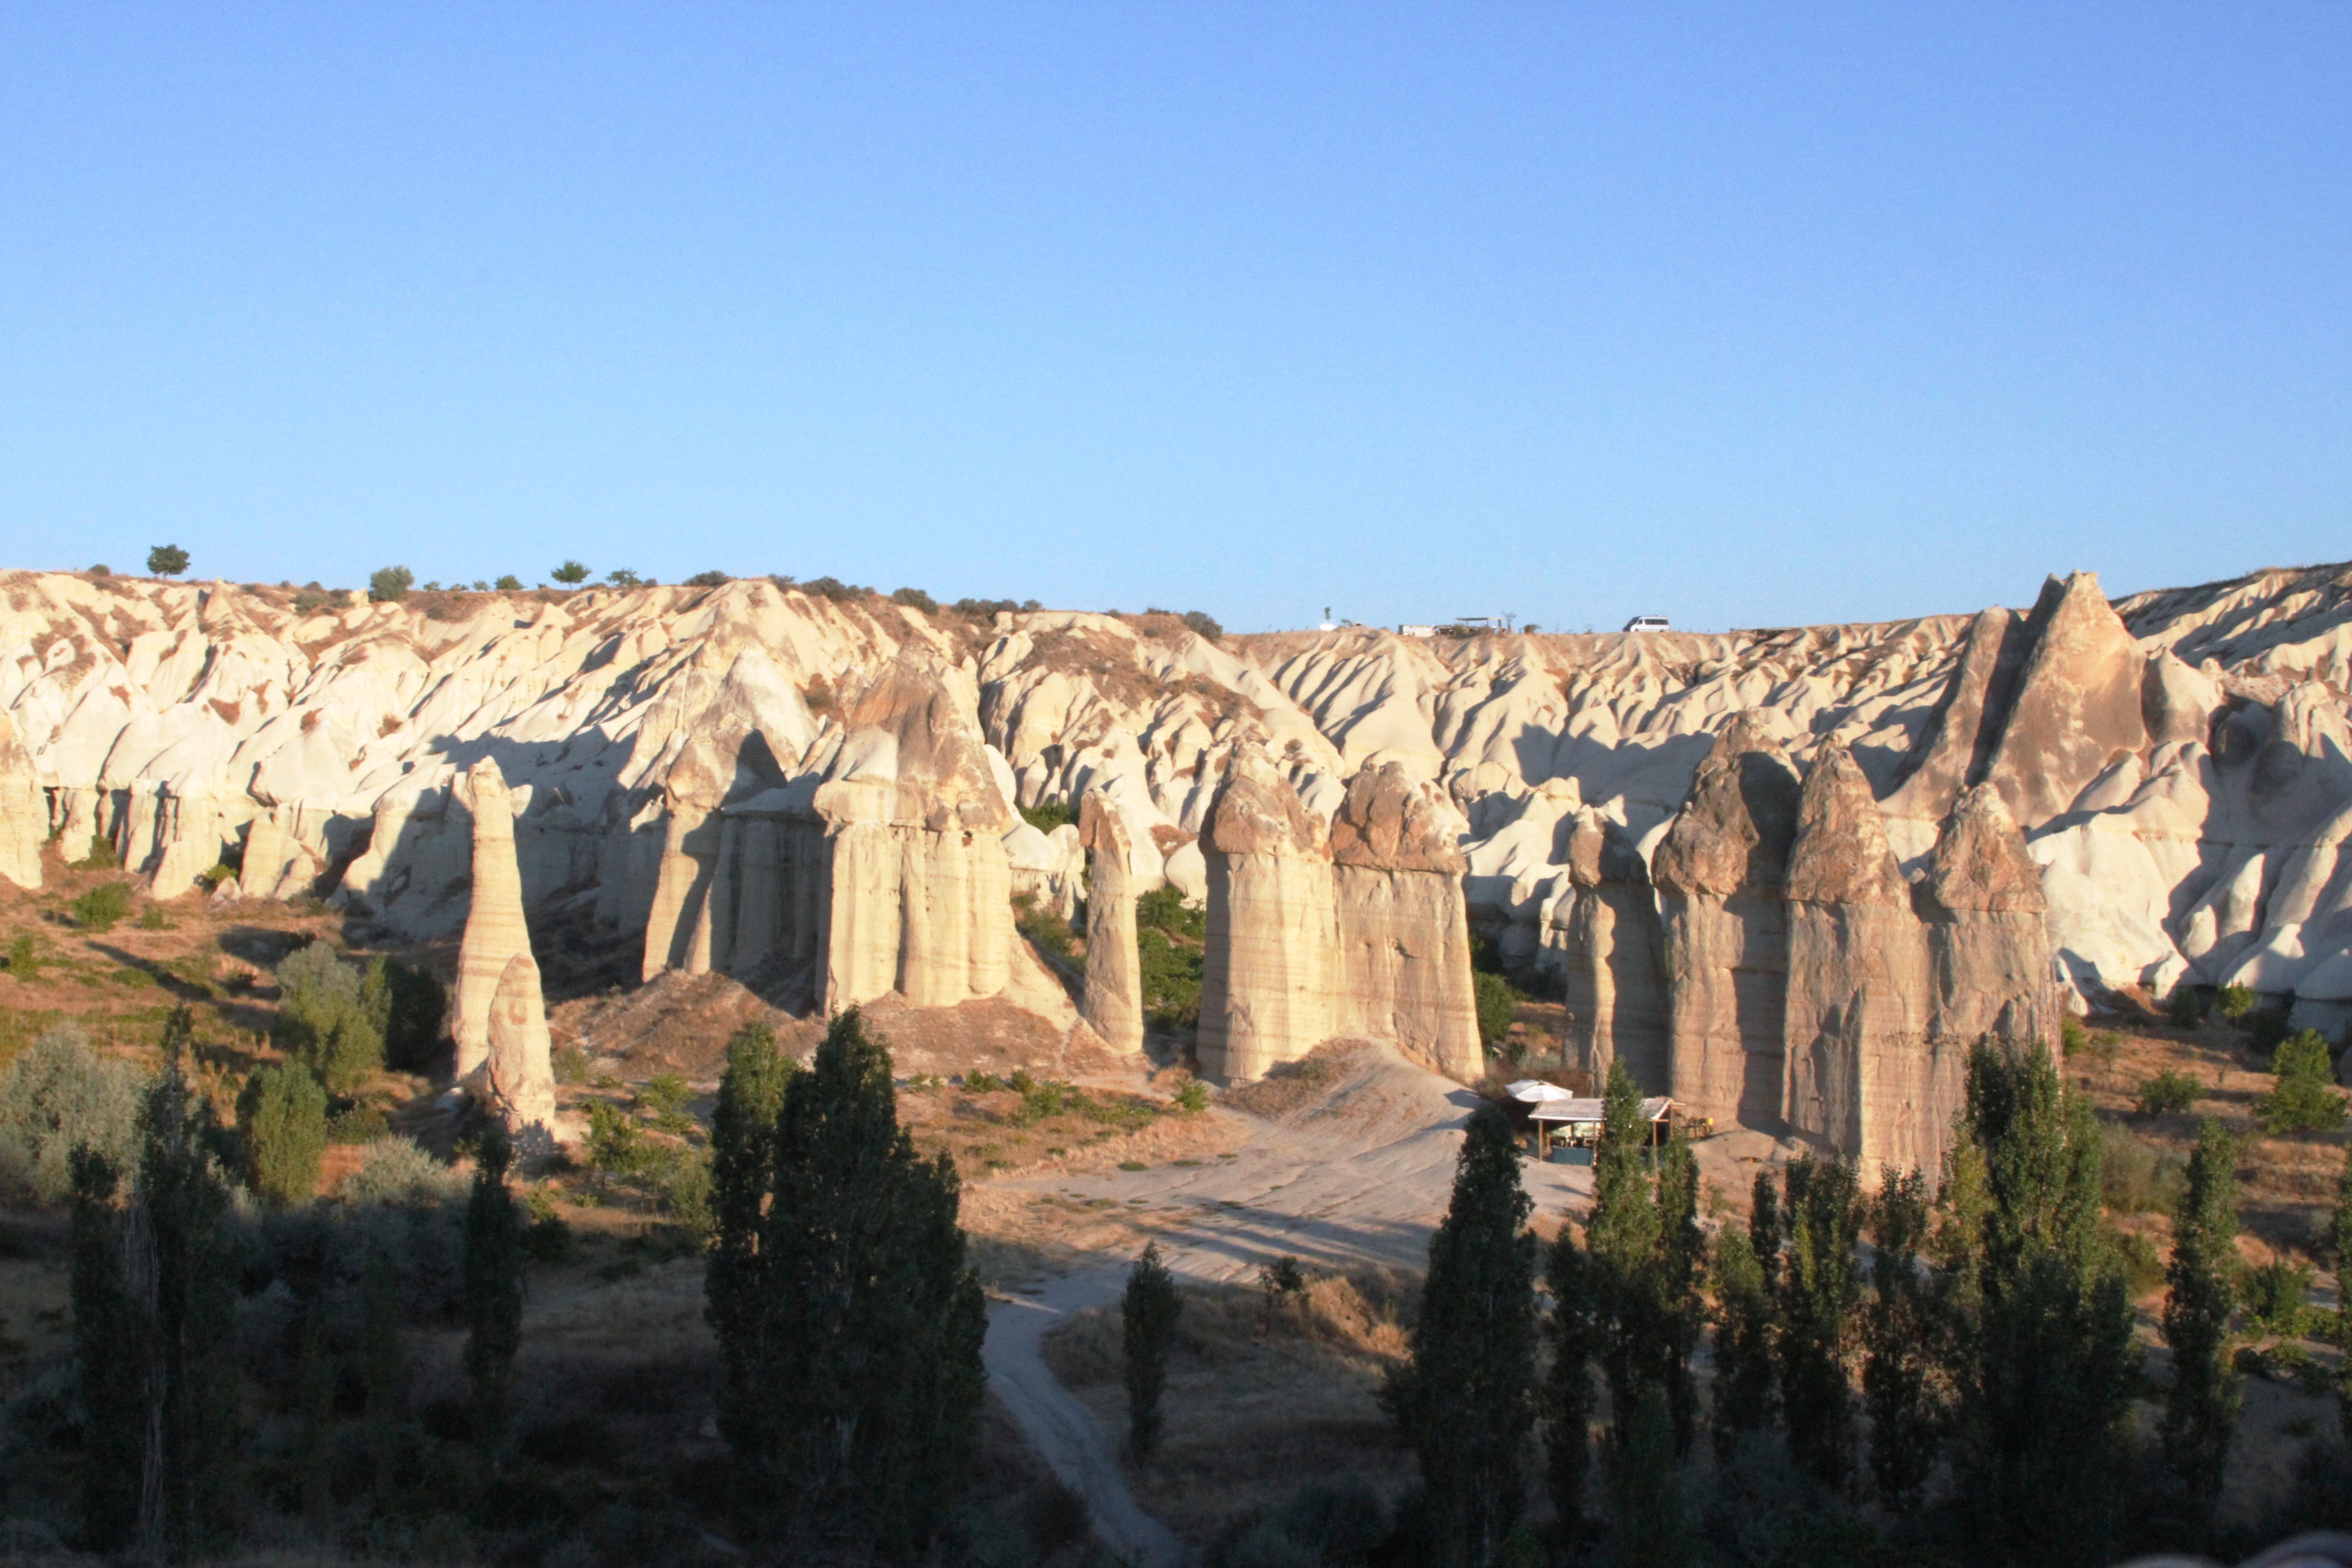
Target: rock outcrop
{"type": "Point", "coordinates": [521, 1066]}
{"type": "Point", "coordinates": [1722, 877]}
{"type": "Point", "coordinates": [1988, 951]}
{"type": "Point", "coordinates": [1611, 945]}
{"type": "Point", "coordinates": [496, 933]}
{"type": "Point", "coordinates": [1114, 993]}
{"type": "Point", "coordinates": [1273, 944]}
{"type": "Point", "coordinates": [1404, 935]}
{"type": "Point", "coordinates": [23, 815]}
{"type": "Point", "coordinates": [1859, 1075]}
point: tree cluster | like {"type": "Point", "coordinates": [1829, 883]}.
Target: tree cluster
{"type": "Point", "coordinates": [1973, 1369]}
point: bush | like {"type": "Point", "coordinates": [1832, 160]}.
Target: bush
{"type": "Point", "coordinates": [25, 957]}
{"type": "Point", "coordinates": [2169, 1093]}
{"type": "Point", "coordinates": [311, 601]}
{"type": "Point", "coordinates": [1191, 1098]}
{"type": "Point", "coordinates": [1498, 1005]}
{"type": "Point", "coordinates": [397, 1173]}
{"type": "Point", "coordinates": [2184, 1007]}
{"type": "Point", "coordinates": [1047, 815]}
{"type": "Point", "coordinates": [164, 561]}
{"type": "Point", "coordinates": [986, 609]}
{"type": "Point", "coordinates": [2072, 1036]}
{"type": "Point", "coordinates": [1170, 978]}
{"type": "Point", "coordinates": [1163, 909]}
{"type": "Point", "coordinates": [508, 584]}
{"type": "Point", "coordinates": [104, 906]}
{"type": "Point", "coordinates": [323, 1019]}
{"type": "Point", "coordinates": [2304, 1098]}
{"type": "Point", "coordinates": [100, 857]}
{"type": "Point", "coordinates": [915, 599]}
{"type": "Point", "coordinates": [2278, 1295]}
{"type": "Point", "coordinates": [569, 574]}
{"type": "Point", "coordinates": [281, 1123]}
{"type": "Point", "coordinates": [390, 584]}
{"type": "Point", "coordinates": [570, 1065]}
{"type": "Point", "coordinates": [618, 1146]}
{"type": "Point", "coordinates": [2135, 1177]}
{"type": "Point", "coordinates": [58, 1097]}
{"type": "Point", "coordinates": [406, 1005]}
{"type": "Point", "coordinates": [833, 589]}
{"type": "Point", "coordinates": [2235, 1002]}
{"type": "Point", "coordinates": [708, 580]}
{"type": "Point", "coordinates": [1203, 624]}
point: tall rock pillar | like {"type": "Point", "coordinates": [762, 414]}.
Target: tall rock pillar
{"type": "Point", "coordinates": [1404, 932]}
{"type": "Point", "coordinates": [1113, 1004]}
{"type": "Point", "coordinates": [494, 931]}
{"type": "Point", "coordinates": [1273, 934]}
{"type": "Point", "coordinates": [1722, 871]}
{"type": "Point", "coordinates": [1987, 948]}
{"type": "Point", "coordinates": [1858, 1076]}
{"type": "Point", "coordinates": [520, 1061]}
{"type": "Point", "coordinates": [23, 815]}
{"type": "Point", "coordinates": [1615, 993]}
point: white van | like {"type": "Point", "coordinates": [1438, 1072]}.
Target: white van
{"type": "Point", "coordinates": [1647, 624]}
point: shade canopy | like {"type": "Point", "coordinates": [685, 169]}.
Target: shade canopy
{"type": "Point", "coordinates": [1535, 1091]}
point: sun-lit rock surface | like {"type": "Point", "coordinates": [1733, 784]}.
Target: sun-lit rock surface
{"type": "Point", "coordinates": [1114, 994]}
{"type": "Point", "coordinates": [496, 933]}
{"type": "Point", "coordinates": [1273, 952]}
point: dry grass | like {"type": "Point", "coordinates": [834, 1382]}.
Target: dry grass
{"type": "Point", "coordinates": [1256, 1402]}
{"type": "Point", "coordinates": [1291, 1085]}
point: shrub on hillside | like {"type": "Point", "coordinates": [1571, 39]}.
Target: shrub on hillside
{"type": "Point", "coordinates": [281, 1123]}
{"type": "Point", "coordinates": [915, 599]}
{"type": "Point", "coordinates": [2235, 1002]}
{"type": "Point", "coordinates": [58, 1097]}
{"type": "Point", "coordinates": [507, 582]}
{"type": "Point", "coordinates": [2169, 1093]}
{"type": "Point", "coordinates": [165, 561]}
{"type": "Point", "coordinates": [102, 908]}
{"type": "Point", "coordinates": [2185, 1009]}
{"type": "Point", "coordinates": [708, 580]}
{"type": "Point", "coordinates": [397, 1172]}
{"type": "Point", "coordinates": [835, 589]}
{"type": "Point", "coordinates": [390, 584]}
{"type": "Point", "coordinates": [2303, 1098]}
{"type": "Point", "coordinates": [1047, 815]}
{"type": "Point", "coordinates": [25, 959]}
{"type": "Point", "coordinates": [100, 856]}
{"type": "Point", "coordinates": [322, 1020]}
{"type": "Point", "coordinates": [1497, 1006]}
{"type": "Point", "coordinates": [1203, 624]}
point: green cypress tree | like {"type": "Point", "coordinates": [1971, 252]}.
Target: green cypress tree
{"type": "Point", "coordinates": [1681, 1273]}
{"type": "Point", "coordinates": [282, 1132]}
{"type": "Point", "coordinates": [1148, 1312]}
{"type": "Point", "coordinates": [1647, 1513]}
{"type": "Point", "coordinates": [1465, 1402]}
{"type": "Point", "coordinates": [2045, 1366]}
{"type": "Point", "coordinates": [1745, 1321]}
{"type": "Point", "coordinates": [1575, 1334]}
{"type": "Point", "coordinates": [314, 1439]}
{"type": "Point", "coordinates": [874, 1321]}
{"type": "Point", "coordinates": [2341, 1234]}
{"type": "Point", "coordinates": [1821, 1287]}
{"type": "Point", "coordinates": [1624, 1240]}
{"type": "Point", "coordinates": [493, 1271]}
{"type": "Point", "coordinates": [2201, 1409]}
{"type": "Point", "coordinates": [742, 1170]}
{"type": "Point", "coordinates": [384, 1367]}
{"type": "Point", "coordinates": [1899, 1340]}
{"type": "Point", "coordinates": [183, 1276]}
{"type": "Point", "coordinates": [110, 1354]}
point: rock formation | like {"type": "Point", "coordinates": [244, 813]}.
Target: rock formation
{"type": "Point", "coordinates": [1114, 994]}
{"type": "Point", "coordinates": [1722, 875]}
{"type": "Point", "coordinates": [1404, 937]}
{"type": "Point", "coordinates": [1272, 932]}
{"type": "Point", "coordinates": [1857, 1032]}
{"type": "Point", "coordinates": [1988, 952]}
{"type": "Point", "coordinates": [1611, 944]}
{"type": "Point", "coordinates": [520, 1067]}
{"type": "Point", "coordinates": [678, 924]}
{"type": "Point", "coordinates": [494, 931]}
{"type": "Point", "coordinates": [24, 815]}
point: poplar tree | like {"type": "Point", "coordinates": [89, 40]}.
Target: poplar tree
{"type": "Point", "coordinates": [1681, 1269]}
{"type": "Point", "coordinates": [1898, 1335]}
{"type": "Point", "coordinates": [2342, 1227]}
{"type": "Point", "coordinates": [742, 1170]}
{"type": "Point", "coordinates": [1149, 1316]}
{"type": "Point", "coordinates": [2045, 1365]}
{"type": "Point", "coordinates": [110, 1356]}
{"type": "Point", "coordinates": [1465, 1400]}
{"type": "Point", "coordinates": [314, 1437]}
{"type": "Point", "coordinates": [384, 1367]}
{"type": "Point", "coordinates": [1745, 1319]}
{"type": "Point", "coordinates": [2201, 1409]}
{"type": "Point", "coordinates": [1573, 1329]}
{"type": "Point", "coordinates": [1625, 1239]}
{"type": "Point", "coordinates": [1821, 1287]}
{"type": "Point", "coordinates": [867, 1337]}
{"type": "Point", "coordinates": [493, 1271]}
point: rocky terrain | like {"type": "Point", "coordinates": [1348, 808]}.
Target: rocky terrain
{"type": "Point", "coordinates": [1790, 874]}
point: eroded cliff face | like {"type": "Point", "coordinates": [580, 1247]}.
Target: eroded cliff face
{"type": "Point", "coordinates": [2177, 764]}
{"type": "Point", "coordinates": [1404, 932]}
{"type": "Point", "coordinates": [1268, 988]}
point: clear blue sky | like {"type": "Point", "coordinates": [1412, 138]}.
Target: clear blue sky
{"type": "Point", "coordinates": [1743, 314]}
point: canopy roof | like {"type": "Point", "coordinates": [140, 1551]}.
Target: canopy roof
{"type": "Point", "coordinates": [1654, 1108]}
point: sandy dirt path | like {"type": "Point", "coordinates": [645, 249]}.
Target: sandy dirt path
{"type": "Point", "coordinates": [1360, 1175]}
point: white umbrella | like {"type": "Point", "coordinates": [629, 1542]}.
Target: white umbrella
{"type": "Point", "coordinates": [1535, 1091]}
